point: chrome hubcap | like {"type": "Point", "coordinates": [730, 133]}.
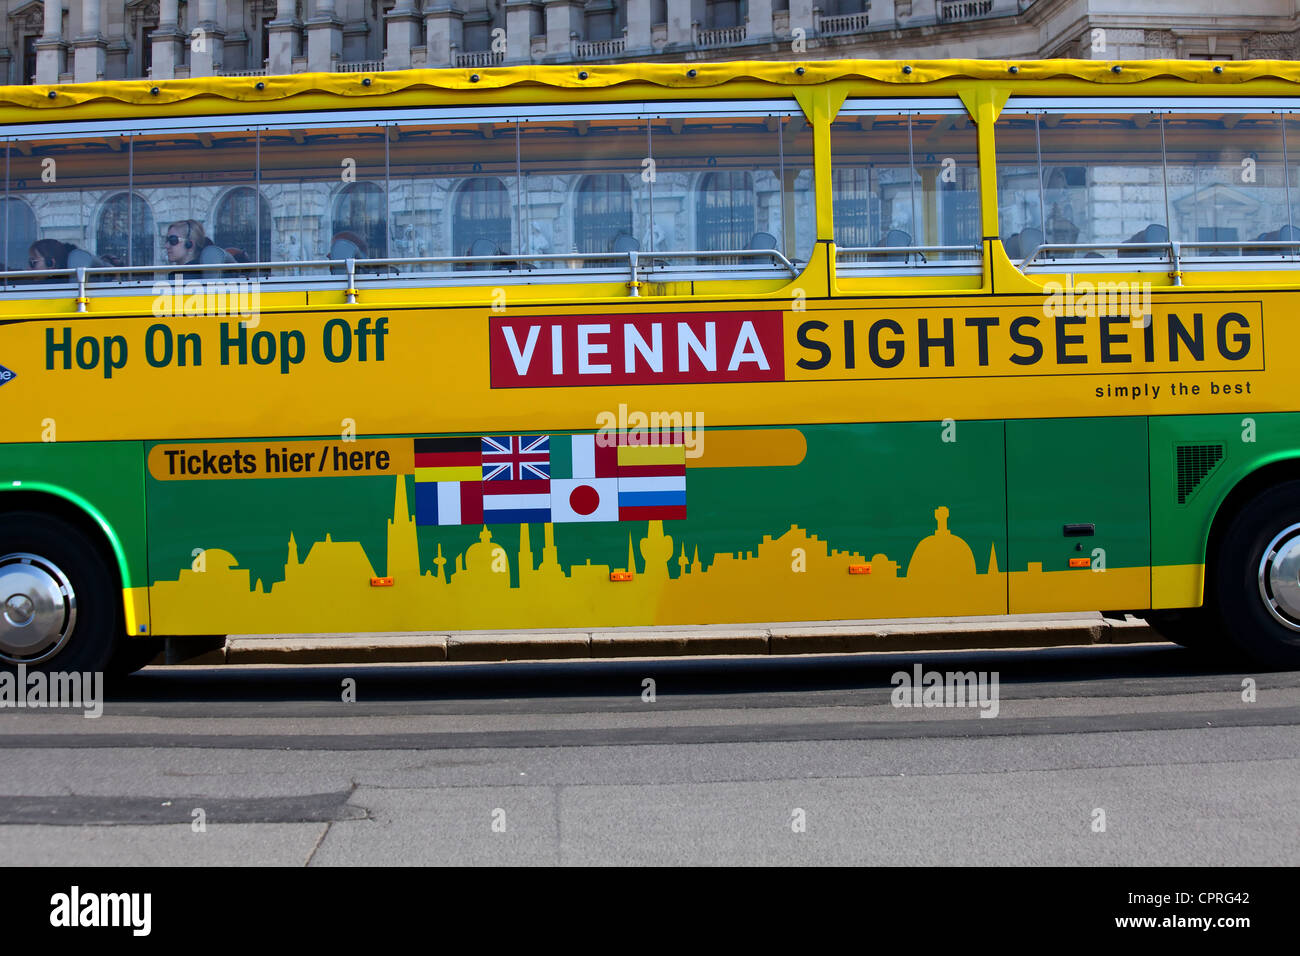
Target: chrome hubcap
{"type": "Point", "coordinates": [38, 608]}
{"type": "Point", "coordinates": [1279, 577]}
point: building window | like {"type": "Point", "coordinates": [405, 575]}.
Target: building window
{"type": "Point", "coordinates": [123, 241]}
{"type": "Point", "coordinates": [241, 215]}
{"type": "Point", "coordinates": [604, 20]}
{"type": "Point", "coordinates": [726, 13]}
{"type": "Point", "coordinates": [725, 211]}
{"type": "Point", "coordinates": [481, 217]}
{"type": "Point", "coordinates": [602, 213]}
{"type": "Point", "coordinates": [361, 210]}
{"type": "Point", "coordinates": [142, 22]}
{"type": "Point", "coordinates": [29, 58]}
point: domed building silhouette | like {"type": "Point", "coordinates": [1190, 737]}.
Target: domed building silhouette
{"type": "Point", "coordinates": [941, 556]}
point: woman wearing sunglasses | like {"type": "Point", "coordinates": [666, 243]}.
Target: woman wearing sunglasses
{"type": "Point", "coordinates": [49, 254]}
{"type": "Point", "coordinates": [46, 254]}
{"type": "Point", "coordinates": [188, 243]}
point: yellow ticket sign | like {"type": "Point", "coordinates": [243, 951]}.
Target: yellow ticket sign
{"type": "Point", "coordinates": [325, 458]}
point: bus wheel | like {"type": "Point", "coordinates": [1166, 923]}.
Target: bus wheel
{"type": "Point", "coordinates": [1257, 577]}
{"type": "Point", "coordinates": [58, 602]}
{"type": "Point", "coordinates": [1196, 628]}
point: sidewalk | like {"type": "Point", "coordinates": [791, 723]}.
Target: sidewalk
{"type": "Point", "coordinates": [817, 637]}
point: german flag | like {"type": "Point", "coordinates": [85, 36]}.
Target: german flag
{"type": "Point", "coordinates": [448, 459]}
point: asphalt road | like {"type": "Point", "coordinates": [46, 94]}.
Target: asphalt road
{"type": "Point", "coordinates": [736, 761]}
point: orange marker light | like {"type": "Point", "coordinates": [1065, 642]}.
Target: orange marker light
{"type": "Point", "coordinates": [859, 569]}
{"type": "Point", "coordinates": [381, 582]}
{"type": "Point", "coordinates": [620, 575]}
{"type": "Point", "coordinates": [1080, 562]}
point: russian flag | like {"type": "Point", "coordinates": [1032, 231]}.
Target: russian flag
{"type": "Point", "coordinates": [652, 498]}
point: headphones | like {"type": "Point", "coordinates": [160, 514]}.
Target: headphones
{"type": "Point", "coordinates": [189, 243]}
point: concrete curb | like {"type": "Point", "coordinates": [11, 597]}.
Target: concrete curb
{"type": "Point", "coordinates": [813, 638]}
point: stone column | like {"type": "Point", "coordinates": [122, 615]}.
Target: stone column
{"type": "Point", "coordinates": [285, 38]}
{"type": "Point", "coordinates": [801, 15]}
{"type": "Point", "coordinates": [167, 40]}
{"type": "Point", "coordinates": [207, 49]}
{"type": "Point", "coordinates": [882, 16]}
{"type": "Point", "coordinates": [51, 48]}
{"type": "Point", "coordinates": [89, 47]}
{"type": "Point", "coordinates": [759, 26]}
{"type": "Point", "coordinates": [563, 19]}
{"type": "Point", "coordinates": [443, 29]}
{"type": "Point", "coordinates": [923, 11]}
{"type": "Point", "coordinates": [523, 19]}
{"type": "Point", "coordinates": [681, 14]}
{"type": "Point", "coordinates": [324, 37]}
{"type": "Point", "coordinates": [638, 26]}
{"type": "Point", "coordinates": [402, 24]}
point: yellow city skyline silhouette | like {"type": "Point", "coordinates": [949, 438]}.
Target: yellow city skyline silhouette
{"type": "Point", "coordinates": [795, 576]}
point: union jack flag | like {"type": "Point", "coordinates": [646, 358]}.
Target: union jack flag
{"type": "Point", "coordinates": [517, 458]}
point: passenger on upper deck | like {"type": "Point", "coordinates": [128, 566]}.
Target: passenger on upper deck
{"type": "Point", "coordinates": [188, 243]}
{"type": "Point", "coordinates": [52, 254]}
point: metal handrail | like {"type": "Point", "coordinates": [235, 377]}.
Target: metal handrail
{"type": "Point", "coordinates": [80, 274]}
{"type": "Point", "coordinates": [860, 249]}
{"type": "Point", "coordinates": [1173, 246]}
{"type": "Point", "coordinates": [903, 250]}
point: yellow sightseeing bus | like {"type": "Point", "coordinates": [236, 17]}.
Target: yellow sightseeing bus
{"type": "Point", "coordinates": [664, 344]}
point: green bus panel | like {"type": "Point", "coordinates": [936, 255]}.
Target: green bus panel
{"type": "Point", "coordinates": [104, 478]}
{"type": "Point", "coordinates": [920, 503]}
{"type": "Point", "coordinates": [1080, 472]}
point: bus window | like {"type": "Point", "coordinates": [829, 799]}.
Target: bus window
{"type": "Point", "coordinates": [1227, 182]}
{"type": "Point", "coordinates": [799, 207]}
{"type": "Point", "coordinates": [1020, 195]}
{"type": "Point", "coordinates": [1118, 194]}
{"type": "Point", "coordinates": [718, 189]}
{"type": "Point", "coordinates": [586, 187]}
{"type": "Point", "coordinates": [1291, 143]}
{"type": "Point", "coordinates": [1099, 189]}
{"type": "Point", "coordinates": [59, 186]}
{"type": "Point", "coordinates": [20, 231]}
{"type": "Point", "coordinates": [1121, 185]}
{"type": "Point", "coordinates": [201, 188]}
{"type": "Point", "coordinates": [453, 193]}
{"type": "Point", "coordinates": [906, 181]}
{"type": "Point", "coordinates": [326, 189]}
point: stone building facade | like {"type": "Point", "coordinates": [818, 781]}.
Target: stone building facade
{"type": "Point", "coordinates": [58, 41]}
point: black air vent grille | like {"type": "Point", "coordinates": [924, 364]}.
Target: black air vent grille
{"type": "Point", "coordinates": [1194, 463]}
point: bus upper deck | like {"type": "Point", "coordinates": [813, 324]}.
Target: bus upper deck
{"type": "Point", "coordinates": [653, 180]}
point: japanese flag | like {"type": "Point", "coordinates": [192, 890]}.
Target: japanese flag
{"type": "Point", "coordinates": [584, 499]}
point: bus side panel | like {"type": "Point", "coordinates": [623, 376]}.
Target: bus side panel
{"type": "Point", "coordinates": [106, 481]}
{"type": "Point", "coordinates": [1196, 460]}
{"type": "Point", "coordinates": [821, 522]}
{"type": "Point", "coordinates": [1078, 472]}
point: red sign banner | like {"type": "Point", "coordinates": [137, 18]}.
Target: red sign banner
{"type": "Point", "coordinates": [662, 349]}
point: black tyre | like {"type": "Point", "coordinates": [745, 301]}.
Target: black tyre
{"type": "Point", "coordinates": [1197, 628]}
{"type": "Point", "coordinates": [133, 653]}
{"type": "Point", "coordinates": [1256, 578]}
{"type": "Point", "coordinates": [60, 607]}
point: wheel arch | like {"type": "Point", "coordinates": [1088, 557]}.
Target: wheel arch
{"type": "Point", "coordinates": [53, 499]}
{"type": "Point", "coordinates": [1266, 473]}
